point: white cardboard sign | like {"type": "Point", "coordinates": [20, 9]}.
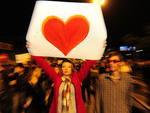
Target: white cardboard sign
{"type": "Point", "coordinates": [67, 29]}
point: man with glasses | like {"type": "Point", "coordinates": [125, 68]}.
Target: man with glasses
{"type": "Point", "coordinates": [112, 91]}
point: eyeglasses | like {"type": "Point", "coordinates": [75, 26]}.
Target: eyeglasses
{"type": "Point", "coordinates": [114, 61]}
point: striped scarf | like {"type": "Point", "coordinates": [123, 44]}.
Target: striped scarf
{"type": "Point", "coordinates": [66, 93]}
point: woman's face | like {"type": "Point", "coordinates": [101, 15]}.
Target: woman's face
{"type": "Point", "coordinates": [67, 68]}
{"type": "Point", "coordinates": [37, 72]}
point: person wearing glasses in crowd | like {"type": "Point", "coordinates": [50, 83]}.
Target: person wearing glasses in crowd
{"type": "Point", "coordinates": [114, 89]}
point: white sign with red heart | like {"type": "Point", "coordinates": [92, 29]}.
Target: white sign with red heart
{"type": "Point", "coordinates": [67, 29]}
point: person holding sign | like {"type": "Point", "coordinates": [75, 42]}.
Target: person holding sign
{"type": "Point", "coordinates": [67, 35]}
{"type": "Point", "coordinates": [67, 85]}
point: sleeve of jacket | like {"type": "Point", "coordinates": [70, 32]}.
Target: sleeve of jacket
{"type": "Point", "coordinates": [85, 69]}
{"type": "Point", "coordinates": [50, 72]}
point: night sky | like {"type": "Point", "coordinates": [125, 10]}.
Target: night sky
{"type": "Point", "coordinates": [121, 18]}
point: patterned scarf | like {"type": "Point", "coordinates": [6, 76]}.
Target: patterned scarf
{"type": "Point", "coordinates": [66, 93]}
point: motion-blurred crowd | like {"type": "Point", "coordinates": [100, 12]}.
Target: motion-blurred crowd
{"type": "Point", "coordinates": [24, 88]}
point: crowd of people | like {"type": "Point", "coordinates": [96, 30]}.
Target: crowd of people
{"type": "Point", "coordinates": [57, 85]}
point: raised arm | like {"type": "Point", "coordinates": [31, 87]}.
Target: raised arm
{"type": "Point", "coordinates": [50, 72]}
{"type": "Point", "coordinates": [85, 69]}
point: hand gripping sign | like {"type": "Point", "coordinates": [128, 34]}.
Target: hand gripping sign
{"type": "Point", "coordinates": [67, 29]}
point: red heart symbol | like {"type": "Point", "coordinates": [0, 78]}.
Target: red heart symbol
{"type": "Point", "coordinates": [65, 35]}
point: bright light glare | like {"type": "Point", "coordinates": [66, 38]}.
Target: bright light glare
{"type": "Point", "coordinates": [102, 2]}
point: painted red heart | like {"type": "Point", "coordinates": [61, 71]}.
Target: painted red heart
{"type": "Point", "coordinates": [65, 35]}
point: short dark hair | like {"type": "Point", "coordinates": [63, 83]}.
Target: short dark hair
{"type": "Point", "coordinates": [115, 53]}
{"type": "Point", "coordinates": [54, 65]}
{"type": "Point", "coordinates": [19, 65]}
{"type": "Point", "coordinates": [67, 60]}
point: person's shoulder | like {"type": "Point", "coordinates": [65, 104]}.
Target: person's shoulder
{"type": "Point", "coordinates": [126, 75]}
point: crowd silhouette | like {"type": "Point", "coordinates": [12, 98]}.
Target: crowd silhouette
{"type": "Point", "coordinates": [25, 88]}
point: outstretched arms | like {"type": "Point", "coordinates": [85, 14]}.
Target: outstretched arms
{"type": "Point", "coordinates": [46, 67]}
{"type": "Point", "coordinates": [85, 69]}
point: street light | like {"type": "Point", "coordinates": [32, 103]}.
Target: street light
{"type": "Point", "coordinates": [102, 2]}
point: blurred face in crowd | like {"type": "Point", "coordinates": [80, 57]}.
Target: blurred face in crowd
{"type": "Point", "coordinates": [114, 63]}
{"type": "Point", "coordinates": [37, 72]}
{"type": "Point", "coordinates": [56, 69]}
{"type": "Point", "coordinates": [67, 68]}
{"type": "Point", "coordinates": [1, 68]}
{"type": "Point", "coordinates": [18, 69]}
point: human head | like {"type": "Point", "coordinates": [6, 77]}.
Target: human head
{"type": "Point", "coordinates": [56, 67]}
{"type": "Point", "coordinates": [114, 60]}
{"type": "Point", "coordinates": [19, 68]}
{"type": "Point", "coordinates": [37, 72]}
{"type": "Point", "coordinates": [67, 67]}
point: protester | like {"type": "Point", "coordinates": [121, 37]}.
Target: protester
{"type": "Point", "coordinates": [34, 101]}
{"type": "Point", "coordinates": [113, 91]}
{"type": "Point", "coordinates": [67, 85]}
{"type": "Point", "coordinates": [16, 85]}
